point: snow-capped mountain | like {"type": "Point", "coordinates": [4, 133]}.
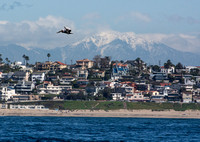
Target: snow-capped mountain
{"type": "Point", "coordinates": [120, 46]}
{"type": "Point", "coordinates": [127, 46]}
{"type": "Point", "coordinates": [105, 38]}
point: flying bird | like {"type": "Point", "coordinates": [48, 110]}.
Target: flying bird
{"type": "Point", "coordinates": [65, 31]}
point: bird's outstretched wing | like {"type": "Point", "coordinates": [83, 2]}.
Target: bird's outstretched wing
{"type": "Point", "coordinates": [59, 31]}
{"type": "Point", "coordinates": [66, 28]}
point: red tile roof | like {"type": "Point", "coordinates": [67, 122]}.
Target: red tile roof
{"type": "Point", "coordinates": [120, 64]}
{"type": "Point", "coordinates": [60, 63]}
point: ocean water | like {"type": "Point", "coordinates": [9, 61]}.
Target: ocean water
{"type": "Point", "coordinates": [47, 129]}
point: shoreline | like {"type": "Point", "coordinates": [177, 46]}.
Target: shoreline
{"type": "Point", "coordinates": [102, 113]}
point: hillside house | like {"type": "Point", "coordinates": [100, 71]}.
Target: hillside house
{"type": "Point", "coordinates": [82, 83]}
{"type": "Point", "coordinates": [38, 76]}
{"type": "Point", "coordinates": [18, 64]}
{"type": "Point", "coordinates": [20, 76]}
{"type": "Point", "coordinates": [93, 90]}
{"type": "Point", "coordinates": [98, 74]}
{"type": "Point", "coordinates": [85, 63]}
{"type": "Point", "coordinates": [43, 66]}
{"type": "Point", "coordinates": [135, 65]}
{"type": "Point", "coordinates": [51, 89]}
{"type": "Point", "coordinates": [160, 77]}
{"type": "Point", "coordinates": [82, 74]}
{"type": "Point", "coordinates": [119, 70]}
{"type": "Point", "coordinates": [24, 87]}
{"type": "Point", "coordinates": [6, 93]}
{"type": "Point", "coordinates": [57, 66]}
{"type": "Point", "coordinates": [170, 70]}
{"type": "Point", "coordinates": [66, 80]}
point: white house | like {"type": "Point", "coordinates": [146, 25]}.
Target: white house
{"type": "Point", "coordinates": [27, 107]}
{"type": "Point", "coordinates": [51, 89]}
{"type": "Point", "coordinates": [6, 93]}
{"type": "Point", "coordinates": [66, 80]}
{"type": "Point", "coordinates": [167, 70]}
{"type": "Point", "coordinates": [137, 96]}
{"type": "Point", "coordinates": [38, 76]}
{"type": "Point", "coordinates": [18, 64]}
{"type": "Point", "coordinates": [117, 96]}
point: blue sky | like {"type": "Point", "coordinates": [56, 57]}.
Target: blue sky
{"type": "Point", "coordinates": [163, 20]}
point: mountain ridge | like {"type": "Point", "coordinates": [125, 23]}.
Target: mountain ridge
{"type": "Point", "coordinates": [120, 46]}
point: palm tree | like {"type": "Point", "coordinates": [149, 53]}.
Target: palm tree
{"type": "Point", "coordinates": [24, 56]}
{"type": "Point", "coordinates": [7, 60]}
{"type": "Point", "coordinates": [27, 59]}
{"type": "Point", "coordinates": [48, 55]}
{"type": "Point", "coordinates": [140, 65]}
{"type": "Point", "coordinates": [1, 58]}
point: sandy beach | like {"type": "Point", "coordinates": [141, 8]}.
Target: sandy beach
{"type": "Point", "coordinates": [102, 113]}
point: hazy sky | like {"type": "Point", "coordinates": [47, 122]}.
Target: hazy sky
{"type": "Point", "coordinates": [34, 23]}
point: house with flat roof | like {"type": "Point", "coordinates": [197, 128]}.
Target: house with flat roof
{"type": "Point", "coordinates": [51, 89]}
{"type": "Point", "coordinates": [38, 76]}
{"type": "Point", "coordinates": [24, 87]}
{"type": "Point", "coordinates": [6, 93]}
{"type": "Point", "coordinates": [20, 76]}
{"type": "Point", "coordinates": [85, 63]}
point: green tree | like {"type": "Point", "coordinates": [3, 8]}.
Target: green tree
{"type": "Point", "coordinates": [24, 56]}
{"type": "Point", "coordinates": [168, 64]}
{"type": "Point", "coordinates": [140, 66]}
{"type": "Point", "coordinates": [106, 93]}
{"type": "Point", "coordinates": [156, 68]}
{"type": "Point", "coordinates": [7, 60]}
{"type": "Point", "coordinates": [179, 66]}
{"type": "Point", "coordinates": [27, 59]}
{"type": "Point", "coordinates": [48, 55]}
{"type": "Point", "coordinates": [1, 58]}
{"type": "Point", "coordinates": [97, 60]}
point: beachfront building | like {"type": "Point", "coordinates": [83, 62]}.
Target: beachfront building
{"type": "Point", "coordinates": [18, 98]}
{"type": "Point", "coordinates": [187, 97]}
{"type": "Point", "coordinates": [117, 96]}
{"type": "Point", "coordinates": [12, 106]}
